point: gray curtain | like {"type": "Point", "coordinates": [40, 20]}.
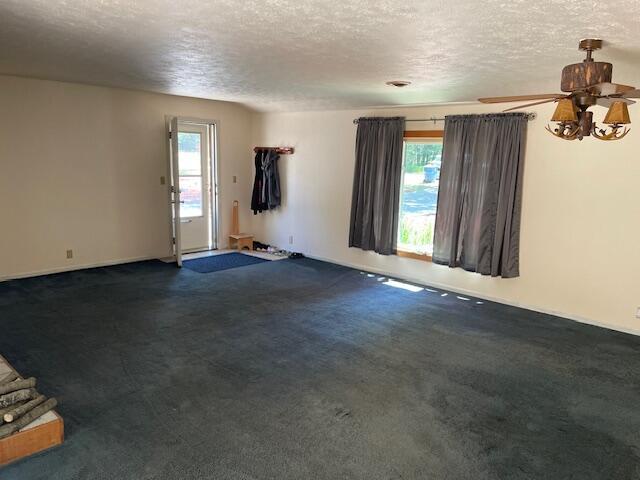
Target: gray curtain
{"type": "Point", "coordinates": [478, 217]}
{"type": "Point", "coordinates": [376, 184]}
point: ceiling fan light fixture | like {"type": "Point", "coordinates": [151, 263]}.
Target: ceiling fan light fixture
{"type": "Point", "coordinates": [618, 114]}
{"type": "Point", "coordinates": [585, 85]}
{"type": "Point", "coordinates": [565, 112]}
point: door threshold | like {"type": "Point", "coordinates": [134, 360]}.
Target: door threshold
{"type": "Point", "coordinates": [205, 253]}
{"type": "Point", "coordinates": [198, 250]}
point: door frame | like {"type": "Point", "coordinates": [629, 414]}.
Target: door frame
{"type": "Point", "coordinates": [205, 219]}
{"type": "Point", "coordinates": [213, 127]}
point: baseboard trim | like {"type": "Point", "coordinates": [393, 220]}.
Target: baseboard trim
{"type": "Point", "coordinates": [365, 268]}
{"type": "Point", "coordinates": [471, 293]}
{"type": "Point", "coordinates": [83, 266]}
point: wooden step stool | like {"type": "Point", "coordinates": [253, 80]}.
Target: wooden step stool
{"type": "Point", "coordinates": [241, 241]}
{"type": "Point", "coordinates": [238, 240]}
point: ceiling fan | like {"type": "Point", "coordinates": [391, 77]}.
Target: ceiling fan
{"type": "Point", "coordinates": [585, 84]}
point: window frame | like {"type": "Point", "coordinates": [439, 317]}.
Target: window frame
{"type": "Point", "coordinates": [196, 130]}
{"type": "Point", "coordinates": [416, 135]}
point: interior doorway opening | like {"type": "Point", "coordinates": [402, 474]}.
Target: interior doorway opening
{"type": "Point", "coordinates": [193, 187]}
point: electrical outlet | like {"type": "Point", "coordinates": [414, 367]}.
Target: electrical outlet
{"type": "Point", "coordinates": [69, 253]}
{"type": "Point", "coordinates": [162, 180]}
{"type": "Point", "coordinates": [290, 239]}
{"type": "Point", "coordinates": [638, 313]}
{"type": "Point", "coordinates": [235, 179]}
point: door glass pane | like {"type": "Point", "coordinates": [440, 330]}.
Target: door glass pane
{"type": "Point", "coordinates": [419, 195]}
{"type": "Point", "coordinates": [191, 196]}
{"type": "Point", "coordinates": [189, 146]}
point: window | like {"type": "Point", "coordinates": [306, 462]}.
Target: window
{"type": "Point", "coordinates": [419, 193]}
{"type": "Point", "coordinates": [190, 169]}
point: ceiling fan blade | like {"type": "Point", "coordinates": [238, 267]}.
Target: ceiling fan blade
{"type": "Point", "coordinates": [520, 98]}
{"type": "Point", "coordinates": [531, 104]}
{"type": "Point", "coordinates": [605, 89]}
{"type": "Point", "coordinates": [607, 101]}
{"type": "Point", "coordinates": [631, 94]}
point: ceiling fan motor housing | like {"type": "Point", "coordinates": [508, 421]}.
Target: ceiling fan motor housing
{"type": "Point", "coordinates": [579, 76]}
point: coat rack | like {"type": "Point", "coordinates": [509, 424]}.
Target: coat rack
{"type": "Point", "coordinates": [279, 150]}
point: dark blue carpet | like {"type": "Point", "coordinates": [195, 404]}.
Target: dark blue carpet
{"type": "Point", "coordinates": [304, 370]}
{"type": "Point", "coordinates": [224, 261]}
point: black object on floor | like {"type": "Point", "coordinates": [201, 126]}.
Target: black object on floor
{"type": "Point", "coordinates": [224, 261]}
{"type": "Point", "coordinates": [260, 246]}
{"type": "Point", "coordinates": [306, 370]}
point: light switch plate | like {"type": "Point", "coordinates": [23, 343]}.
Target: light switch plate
{"type": "Point", "coordinates": [69, 253]}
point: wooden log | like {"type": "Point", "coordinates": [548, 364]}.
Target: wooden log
{"type": "Point", "coordinates": [17, 385]}
{"type": "Point", "coordinates": [27, 418]}
{"type": "Point", "coordinates": [8, 408]}
{"type": "Point", "coordinates": [17, 412]}
{"type": "Point", "coordinates": [9, 378]}
{"type": "Point", "coordinates": [17, 396]}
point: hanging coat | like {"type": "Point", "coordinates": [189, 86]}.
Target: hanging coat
{"type": "Point", "coordinates": [271, 180]}
{"type": "Point", "coordinates": [256, 197]}
{"type": "Point", "coordinates": [266, 183]}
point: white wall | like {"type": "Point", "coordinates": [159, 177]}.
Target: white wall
{"type": "Point", "coordinates": [580, 220]}
{"type": "Point", "coordinates": [80, 169]}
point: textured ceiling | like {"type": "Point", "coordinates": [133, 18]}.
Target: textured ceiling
{"type": "Point", "coordinates": [316, 54]}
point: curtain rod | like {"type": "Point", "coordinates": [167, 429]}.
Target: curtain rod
{"type": "Point", "coordinates": [530, 116]}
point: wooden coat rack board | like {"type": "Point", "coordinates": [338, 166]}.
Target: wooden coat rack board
{"type": "Point", "coordinates": [279, 150]}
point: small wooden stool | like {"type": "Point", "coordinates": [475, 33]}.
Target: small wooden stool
{"type": "Point", "coordinates": [238, 240]}
{"type": "Point", "coordinates": [241, 241]}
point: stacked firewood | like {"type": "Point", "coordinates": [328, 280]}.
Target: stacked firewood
{"type": "Point", "coordinates": [20, 404]}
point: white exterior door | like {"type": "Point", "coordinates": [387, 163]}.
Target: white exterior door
{"type": "Point", "coordinates": [195, 187]}
{"type": "Point", "coordinates": [195, 171]}
{"type": "Point", "coordinates": [174, 158]}
{"type": "Point", "coordinates": [193, 174]}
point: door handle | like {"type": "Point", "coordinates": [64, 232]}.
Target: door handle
{"type": "Point", "coordinates": [186, 221]}
{"type": "Point", "coordinates": [181, 201]}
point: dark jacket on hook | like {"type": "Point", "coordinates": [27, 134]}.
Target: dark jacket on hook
{"type": "Point", "coordinates": [266, 183]}
{"type": "Point", "coordinates": [256, 195]}
{"type": "Point", "coordinates": [271, 182]}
